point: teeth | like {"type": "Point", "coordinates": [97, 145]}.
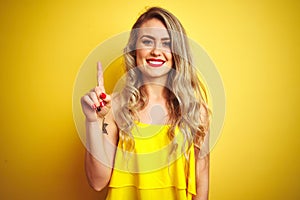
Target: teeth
{"type": "Point", "coordinates": [155, 62]}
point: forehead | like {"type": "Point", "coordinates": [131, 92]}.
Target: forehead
{"type": "Point", "coordinates": [153, 27]}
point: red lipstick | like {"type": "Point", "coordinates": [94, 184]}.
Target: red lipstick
{"type": "Point", "coordinates": [153, 62]}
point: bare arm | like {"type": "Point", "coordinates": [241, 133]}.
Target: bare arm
{"type": "Point", "coordinates": [202, 176]}
{"type": "Point", "coordinates": [202, 169]}
{"type": "Point", "coordinates": [100, 146]}
{"type": "Point", "coordinates": [202, 160]}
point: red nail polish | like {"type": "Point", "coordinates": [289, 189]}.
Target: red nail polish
{"type": "Point", "coordinates": [102, 104]}
{"type": "Point", "coordinates": [102, 95]}
{"type": "Point", "coordinates": [94, 107]}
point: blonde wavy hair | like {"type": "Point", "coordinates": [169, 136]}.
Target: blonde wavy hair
{"type": "Point", "coordinates": [187, 97]}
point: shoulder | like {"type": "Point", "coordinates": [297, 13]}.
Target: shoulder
{"type": "Point", "coordinates": [204, 115]}
{"type": "Point", "coordinates": [201, 137]}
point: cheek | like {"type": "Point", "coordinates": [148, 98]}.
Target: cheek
{"type": "Point", "coordinates": [140, 55]}
{"type": "Point", "coordinates": [170, 58]}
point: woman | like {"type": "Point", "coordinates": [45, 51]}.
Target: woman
{"type": "Point", "coordinates": [150, 140]}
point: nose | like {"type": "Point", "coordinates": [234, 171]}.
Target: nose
{"type": "Point", "coordinates": [156, 50]}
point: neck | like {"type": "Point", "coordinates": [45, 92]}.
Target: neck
{"type": "Point", "coordinates": [155, 111]}
{"type": "Point", "coordinates": [155, 91]}
{"type": "Point", "coordinates": [155, 87]}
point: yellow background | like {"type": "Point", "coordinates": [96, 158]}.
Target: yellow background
{"type": "Point", "coordinates": [255, 45]}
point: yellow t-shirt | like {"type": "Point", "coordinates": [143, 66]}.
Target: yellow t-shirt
{"type": "Point", "coordinates": [151, 172]}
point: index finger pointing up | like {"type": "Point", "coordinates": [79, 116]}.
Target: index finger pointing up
{"type": "Point", "coordinates": [100, 76]}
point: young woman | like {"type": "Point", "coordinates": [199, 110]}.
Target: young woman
{"type": "Point", "coordinates": [151, 139]}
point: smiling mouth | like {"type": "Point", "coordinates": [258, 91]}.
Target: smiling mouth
{"type": "Point", "coordinates": [155, 62]}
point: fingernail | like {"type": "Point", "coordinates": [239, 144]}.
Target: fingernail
{"type": "Point", "coordinates": [94, 107]}
{"type": "Point", "coordinates": [102, 104]}
{"type": "Point", "coordinates": [102, 95]}
{"type": "Point", "coordinates": [98, 108]}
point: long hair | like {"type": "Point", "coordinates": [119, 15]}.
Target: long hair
{"type": "Point", "coordinates": [187, 106]}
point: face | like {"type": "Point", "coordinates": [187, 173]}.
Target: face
{"type": "Point", "coordinates": [153, 50]}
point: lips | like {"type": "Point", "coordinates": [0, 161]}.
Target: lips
{"type": "Point", "coordinates": [155, 62]}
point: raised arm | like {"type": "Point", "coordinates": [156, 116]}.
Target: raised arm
{"type": "Point", "coordinates": [101, 134]}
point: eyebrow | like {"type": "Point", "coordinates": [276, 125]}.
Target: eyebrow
{"type": "Point", "coordinates": [153, 38]}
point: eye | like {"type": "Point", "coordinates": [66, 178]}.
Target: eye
{"type": "Point", "coordinates": [167, 44]}
{"type": "Point", "coordinates": [147, 42]}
